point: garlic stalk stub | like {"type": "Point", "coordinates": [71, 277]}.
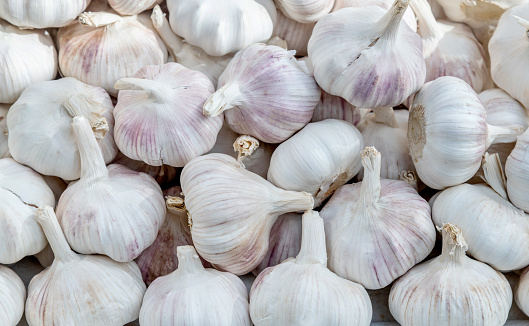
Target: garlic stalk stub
{"type": "Point", "coordinates": [517, 172]}
{"type": "Point", "coordinates": [132, 7]}
{"type": "Point", "coordinates": [368, 56]}
{"type": "Point", "coordinates": [81, 290]}
{"type": "Point", "coordinates": [305, 11]}
{"type": "Point", "coordinates": [378, 229]}
{"type": "Point", "coordinates": [4, 148]}
{"type": "Point", "coordinates": [302, 291]}
{"type": "Point", "coordinates": [12, 297]}
{"type": "Point", "coordinates": [451, 289]}
{"type": "Point", "coordinates": [112, 211]}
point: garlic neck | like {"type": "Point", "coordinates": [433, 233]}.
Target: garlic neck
{"type": "Point", "coordinates": [175, 205]}
{"type": "Point", "coordinates": [493, 174]}
{"type": "Point", "coordinates": [454, 245]}
{"type": "Point", "coordinates": [428, 26]}
{"type": "Point", "coordinates": [225, 98]}
{"type": "Point", "coordinates": [188, 260]}
{"type": "Point", "coordinates": [313, 250]}
{"type": "Point", "coordinates": [172, 41]}
{"type": "Point", "coordinates": [385, 116]}
{"type": "Point", "coordinates": [156, 91]}
{"type": "Point", "coordinates": [48, 221]}
{"type": "Point", "coordinates": [501, 135]}
{"type": "Point", "coordinates": [98, 19]}
{"type": "Point", "coordinates": [245, 145]}
{"type": "Point", "coordinates": [286, 201]}
{"type": "Point", "coordinates": [80, 105]}
{"type": "Point", "coordinates": [388, 25]}
{"type": "Point", "coordinates": [370, 188]}
{"type": "Point", "coordinates": [93, 165]}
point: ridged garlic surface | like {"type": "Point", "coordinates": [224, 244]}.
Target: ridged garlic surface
{"type": "Point", "coordinates": [30, 14]}
{"type": "Point", "coordinates": [81, 290]}
{"type": "Point", "coordinates": [335, 107]}
{"type": "Point", "coordinates": [318, 159]}
{"type": "Point", "coordinates": [296, 34]}
{"type": "Point", "coordinates": [477, 13]}
{"type": "Point", "coordinates": [22, 190]}
{"type": "Point", "coordinates": [220, 27]}
{"type": "Point", "coordinates": [522, 292]}
{"type": "Point", "coordinates": [233, 210]}
{"type": "Point", "coordinates": [451, 289]}
{"type": "Point", "coordinates": [377, 229]}
{"type": "Point", "coordinates": [12, 297]}
{"type": "Point", "coordinates": [111, 210]}
{"type": "Point", "coordinates": [165, 175]}
{"type": "Point", "coordinates": [4, 148]}
{"type": "Point", "coordinates": [517, 173]}
{"type": "Point", "coordinates": [305, 11]}
{"type": "Point", "coordinates": [302, 291]}
{"type": "Point", "coordinates": [105, 47]}
{"type": "Point", "coordinates": [132, 7]}
{"type": "Point", "coordinates": [266, 93]}
{"type": "Point", "coordinates": [368, 56]}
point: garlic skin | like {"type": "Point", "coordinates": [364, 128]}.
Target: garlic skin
{"type": "Point", "coordinates": [105, 47]}
{"type": "Point", "coordinates": [335, 107]}
{"type": "Point", "coordinates": [368, 56]}
{"type": "Point", "coordinates": [477, 14]}
{"type": "Point", "coordinates": [12, 297]}
{"type": "Point", "coordinates": [220, 27]}
{"type": "Point", "coordinates": [112, 211]}
{"type": "Point", "coordinates": [81, 290]}
{"type": "Point", "coordinates": [302, 291]}
{"type": "Point", "coordinates": [233, 210]}
{"type": "Point", "coordinates": [266, 93]}
{"type": "Point", "coordinates": [451, 289]}
{"type": "Point", "coordinates": [165, 175]}
{"type": "Point", "coordinates": [195, 296]}
{"type": "Point", "coordinates": [132, 7]}
{"type": "Point", "coordinates": [385, 220]}
{"type": "Point", "coordinates": [305, 11]}
{"type": "Point", "coordinates": [319, 159]}
{"type": "Point", "coordinates": [4, 148]}
{"type": "Point", "coordinates": [27, 57]}
{"type": "Point", "coordinates": [522, 291]}
{"type": "Point", "coordinates": [296, 34]}
{"type": "Point", "coordinates": [159, 116]}
{"type": "Point", "coordinates": [517, 171]}
{"type": "Point", "coordinates": [22, 190]}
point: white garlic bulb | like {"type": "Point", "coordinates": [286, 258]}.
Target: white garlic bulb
{"type": "Point", "coordinates": [305, 11]}
{"type": "Point", "coordinates": [165, 175]}
{"type": "Point", "coordinates": [451, 289]}
{"type": "Point", "coordinates": [335, 107]}
{"type": "Point", "coordinates": [132, 7]}
{"type": "Point", "coordinates": [319, 159]}
{"type": "Point", "coordinates": [112, 211]}
{"type": "Point", "coordinates": [378, 229]}
{"type": "Point", "coordinates": [195, 296]}
{"type": "Point", "coordinates": [105, 47]}
{"type": "Point", "coordinates": [26, 57]}
{"type": "Point", "coordinates": [22, 190]}
{"type": "Point", "coordinates": [159, 116]}
{"type": "Point", "coordinates": [517, 172]}
{"type": "Point", "coordinates": [302, 291]}
{"type": "Point", "coordinates": [81, 290]}
{"type": "Point", "coordinates": [295, 34]}
{"type": "Point", "coordinates": [47, 109]}
{"type": "Point", "coordinates": [4, 148]}
{"type": "Point", "coordinates": [41, 13]}
{"type": "Point", "coordinates": [266, 93]}
{"type": "Point", "coordinates": [12, 297]}
{"type": "Point", "coordinates": [522, 292]}
{"type": "Point", "coordinates": [368, 56]}
{"type": "Point", "coordinates": [477, 14]}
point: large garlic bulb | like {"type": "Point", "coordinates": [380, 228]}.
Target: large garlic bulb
{"type": "Point", "coordinates": [302, 291]}
{"type": "Point", "coordinates": [81, 290]}
{"type": "Point", "coordinates": [451, 289]}
{"type": "Point", "coordinates": [112, 211]}
{"type": "Point", "coordinates": [296, 34]}
{"type": "Point", "coordinates": [132, 7]}
{"type": "Point", "coordinates": [378, 229]}
{"type": "Point", "coordinates": [4, 148]}
{"type": "Point", "coordinates": [233, 210]}
{"type": "Point", "coordinates": [517, 172]}
{"type": "Point", "coordinates": [476, 14]}
{"type": "Point", "coordinates": [305, 11]}
{"type": "Point", "coordinates": [12, 297]}
{"type": "Point", "coordinates": [368, 56]}
{"type": "Point", "coordinates": [335, 107]}
{"type": "Point", "coordinates": [522, 292]}
{"type": "Point", "coordinates": [105, 47]}
{"type": "Point", "coordinates": [266, 93]}
{"type": "Point", "coordinates": [318, 159]}
{"type": "Point", "coordinates": [165, 175]}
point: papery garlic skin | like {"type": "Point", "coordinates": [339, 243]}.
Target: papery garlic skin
{"type": "Point", "coordinates": [295, 34]}
{"type": "Point", "coordinates": [132, 7]}
{"type": "Point", "coordinates": [4, 148]}
{"type": "Point", "coordinates": [517, 172]}
{"type": "Point", "coordinates": [12, 297]}
{"type": "Point", "coordinates": [477, 14]}
{"type": "Point", "coordinates": [305, 11]}
{"type": "Point", "coordinates": [319, 159]}
{"type": "Point", "coordinates": [165, 175]}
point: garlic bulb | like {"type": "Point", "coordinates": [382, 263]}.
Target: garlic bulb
{"type": "Point", "coordinates": [335, 107]}
{"type": "Point", "coordinates": [220, 27]}
{"type": "Point", "coordinates": [4, 149]}
{"type": "Point", "coordinates": [517, 172]}
{"type": "Point", "coordinates": [132, 7]}
{"type": "Point", "coordinates": [81, 290]}
{"type": "Point", "coordinates": [305, 11]}
{"type": "Point", "coordinates": [196, 296]}
{"type": "Point", "coordinates": [165, 175]}
{"type": "Point", "coordinates": [159, 116]}
{"type": "Point", "coordinates": [105, 47]}
{"type": "Point", "coordinates": [522, 291]}
{"type": "Point", "coordinates": [112, 211]}
{"type": "Point", "coordinates": [302, 291]}
{"type": "Point", "coordinates": [477, 13]}
{"type": "Point", "coordinates": [12, 297]}
{"type": "Point", "coordinates": [47, 109]}
{"type": "Point", "coordinates": [233, 210]}
{"type": "Point", "coordinates": [451, 289]}
{"type": "Point", "coordinates": [41, 13]}
{"type": "Point", "coordinates": [319, 159]}
{"type": "Point", "coordinates": [266, 93]}
{"type": "Point", "coordinates": [295, 34]}
{"type": "Point", "coordinates": [368, 56]}
{"type": "Point", "coordinates": [22, 190]}
{"type": "Point", "coordinates": [378, 229]}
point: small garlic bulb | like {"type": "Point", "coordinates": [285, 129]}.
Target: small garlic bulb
{"type": "Point", "coordinates": [12, 297]}
{"type": "Point", "coordinates": [451, 289]}
{"type": "Point", "coordinates": [305, 11]}
{"type": "Point", "coordinates": [81, 290]}
{"type": "Point", "coordinates": [335, 107]}
{"type": "Point", "coordinates": [477, 14]}
{"type": "Point", "coordinates": [132, 7]}
{"type": "Point", "coordinates": [296, 34]}
{"type": "Point", "coordinates": [112, 211]}
{"type": "Point", "coordinates": [517, 172]}
{"type": "Point", "coordinates": [522, 292]}
{"type": "Point", "coordinates": [4, 149]}
{"type": "Point", "coordinates": [302, 291]}
{"type": "Point", "coordinates": [368, 56]}
{"type": "Point", "coordinates": [266, 93]}
{"type": "Point", "coordinates": [29, 14]}
{"type": "Point", "coordinates": [319, 159]}
{"type": "Point", "coordinates": [195, 296]}
{"type": "Point", "coordinates": [377, 229]}
{"type": "Point", "coordinates": [165, 175]}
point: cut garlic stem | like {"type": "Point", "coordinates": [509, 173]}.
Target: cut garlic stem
{"type": "Point", "coordinates": [388, 25]}
{"type": "Point", "coordinates": [410, 178]}
{"type": "Point", "coordinates": [386, 116]}
{"type": "Point", "coordinates": [93, 165]}
{"type": "Point", "coordinates": [454, 245]}
{"type": "Point", "coordinates": [155, 90]}
{"type": "Point", "coordinates": [172, 41]}
{"type": "Point", "coordinates": [293, 201]}
{"type": "Point", "coordinates": [188, 260]}
{"type": "Point", "coordinates": [48, 221]}
{"type": "Point", "coordinates": [98, 19]}
{"type": "Point", "coordinates": [174, 204]}
{"type": "Point", "coordinates": [500, 135]}
{"type": "Point", "coordinates": [426, 20]}
{"type": "Point", "coordinates": [313, 249]}
{"type": "Point", "coordinates": [81, 105]}
{"type": "Point", "coordinates": [223, 99]}
{"type": "Point", "coordinates": [245, 145]}
{"type": "Point", "coordinates": [371, 161]}
{"type": "Point", "coordinates": [493, 174]}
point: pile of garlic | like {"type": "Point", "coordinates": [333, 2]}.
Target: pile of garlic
{"type": "Point", "coordinates": [155, 152]}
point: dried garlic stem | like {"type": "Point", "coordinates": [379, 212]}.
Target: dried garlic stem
{"type": "Point", "coordinates": [245, 145]}
{"type": "Point", "coordinates": [156, 91]}
{"type": "Point", "coordinates": [175, 204]}
{"type": "Point", "coordinates": [223, 99]}
{"type": "Point", "coordinates": [410, 178]}
{"type": "Point", "coordinates": [80, 105]}
{"type": "Point", "coordinates": [93, 165]}
{"type": "Point", "coordinates": [313, 250]}
{"type": "Point", "coordinates": [188, 260]}
{"type": "Point", "coordinates": [370, 189]}
{"type": "Point", "coordinates": [48, 221]}
{"type": "Point", "coordinates": [454, 245]}
{"type": "Point", "coordinates": [98, 19]}
{"type": "Point", "coordinates": [172, 41]}
{"type": "Point", "coordinates": [385, 116]}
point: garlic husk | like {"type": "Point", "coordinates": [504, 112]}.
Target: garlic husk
{"type": "Point", "coordinates": [112, 211]}
{"type": "Point", "coordinates": [318, 159]}
{"type": "Point", "coordinates": [22, 190]}
{"type": "Point", "coordinates": [81, 290]}
{"type": "Point", "coordinates": [305, 11]}
{"type": "Point", "coordinates": [477, 14]}
{"type": "Point", "coordinates": [302, 291]}
{"type": "Point", "coordinates": [12, 297]}
{"type": "Point", "coordinates": [132, 7]}
{"type": "Point", "coordinates": [165, 175]}
{"type": "Point", "coordinates": [335, 107]}
{"type": "Point", "coordinates": [30, 14]}
{"type": "Point", "coordinates": [47, 109]}
{"type": "Point", "coordinates": [517, 172]}
{"type": "Point", "coordinates": [27, 57]}
{"type": "Point", "coordinates": [451, 289]}
{"type": "Point", "coordinates": [196, 296]}
{"type": "Point", "coordinates": [233, 210]}
{"type": "Point", "coordinates": [386, 220]}
{"type": "Point", "coordinates": [295, 34]}
{"type": "Point", "coordinates": [104, 47]}
{"type": "Point", "coordinates": [368, 56]}
{"type": "Point", "coordinates": [4, 148]}
{"type": "Point", "coordinates": [220, 28]}
{"type": "Point", "coordinates": [159, 116]}
{"type": "Point", "coordinates": [266, 93]}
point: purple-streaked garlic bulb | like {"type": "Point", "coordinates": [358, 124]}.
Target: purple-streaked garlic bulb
{"type": "Point", "coordinates": [132, 7]}
{"type": "Point", "coordinates": [296, 34]}
{"type": "Point", "coordinates": [165, 175]}
{"type": "Point", "coordinates": [335, 107]}
{"type": "Point", "coordinates": [305, 11]}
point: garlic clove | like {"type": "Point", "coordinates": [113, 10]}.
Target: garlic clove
{"type": "Point", "coordinates": [12, 297]}
{"type": "Point", "coordinates": [305, 11]}
{"type": "Point", "coordinates": [4, 148]}
{"type": "Point", "coordinates": [165, 175]}
{"type": "Point", "coordinates": [517, 171]}
{"type": "Point", "coordinates": [132, 7]}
